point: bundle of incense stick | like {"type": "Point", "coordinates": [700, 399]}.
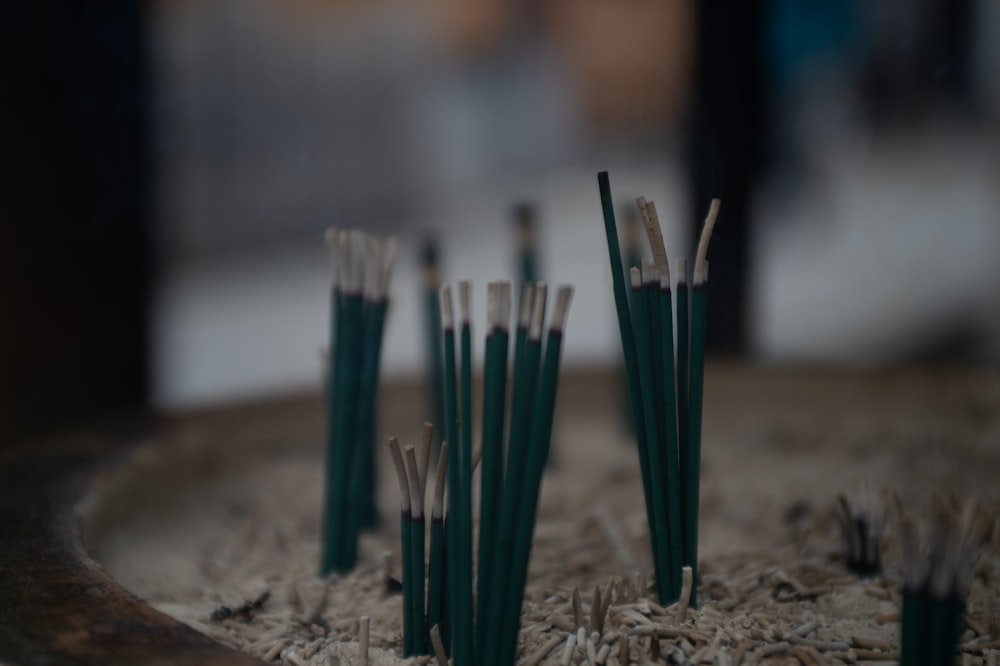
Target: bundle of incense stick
{"type": "Point", "coordinates": [665, 397]}
{"type": "Point", "coordinates": [412, 476]}
{"type": "Point", "coordinates": [362, 266]}
{"type": "Point", "coordinates": [510, 487]}
{"type": "Point", "coordinates": [936, 582]}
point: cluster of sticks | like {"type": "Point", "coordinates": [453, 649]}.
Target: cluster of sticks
{"type": "Point", "coordinates": [510, 486]}
{"type": "Point", "coordinates": [362, 266]}
{"type": "Point", "coordinates": [411, 472]}
{"type": "Point", "coordinates": [665, 397]}
{"type": "Point", "coordinates": [936, 581]}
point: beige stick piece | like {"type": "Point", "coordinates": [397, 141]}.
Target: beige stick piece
{"type": "Point", "coordinates": [567, 654]}
{"type": "Point", "coordinates": [439, 653]}
{"type": "Point", "coordinates": [405, 504]}
{"type": "Point", "coordinates": [577, 608]}
{"type": "Point", "coordinates": [595, 610]}
{"type": "Point", "coordinates": [687, 583]}
{"type": "Point", "coordinates": [416, 491]}
{"type": "Point", "coordinates": [371, 271]}
{"type": "Point", "coordinates": [543, 651]}
{"type": "Point", "coordinates": [701, 257]}
{"type": "Point", "coordinates": [390, 248]}
{"type": "Point", "coordinates": [825, 646]}
{"type": "Point", "coordinates": [623, 652]}
{"type": "Point", "coordinates": [363, 641]}
{"type": "Point", "coordinates": [773, 649]}
{"type": "Point", "coordinates": [654, 233]}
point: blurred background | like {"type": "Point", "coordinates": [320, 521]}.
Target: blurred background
{"type": "Point", "coordinates": [169, 167]}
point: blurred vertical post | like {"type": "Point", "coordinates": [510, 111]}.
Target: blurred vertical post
{"type": "Point", "coordinates": [729, 113]}
{"type": "Point", "coordinates": [74, 214]}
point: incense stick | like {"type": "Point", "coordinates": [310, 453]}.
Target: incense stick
{"type": "Point", "coordinates": [405, 529]}
{"type": "Point", "coordinates": [494, 401]}
{"type": "Point", "coordinates": [699, 320]}
{"type": "Point", "coordinates": [419, 644]}
{"type": "Point", "coordinates": [462, 619]}
{"type": "Point", "coordinates": [436, 579]}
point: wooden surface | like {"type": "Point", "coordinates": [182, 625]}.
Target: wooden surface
{"type": "Point", "coordinates": [57, 606]}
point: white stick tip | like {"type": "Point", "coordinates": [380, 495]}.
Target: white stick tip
{"type": "Point", "coordinates": [447, 313]}
{"type": "Point", "coordinates": [503, 304]}
{"type": "Point", "coordinates": [635, 277]}
{"type": "Point", "coordinates": [561, 309]}
{"type": "Point", "coordinates": [700, 273]}
{"type": "Point", "coordinates": [465, 300]}
{"type": "Point", "coordinates": [682, 270]}
{"type": "Point", "coordinates": [538, 312]}
{"type": "Point", "coordinates": [649, 273]}
{"type": "Point", "coordinates": [491, 305]}
{"type": "Point", "coordinates": [527, 302]}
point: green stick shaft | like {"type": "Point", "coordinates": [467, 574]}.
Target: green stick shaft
{"type": "Point", "coordinates": [669, 409]}
{"type": "Point", "coordinates": [454, 472]}
{"type": "Point", "coordinates": [406, 541]}
{"type": "Point", "coordinates": [462, 619]}
{"type": "Point", "coordinates": [436, 582]}
{"type": "Point", "coordinates": [642, 325]}
{"type": "Point", "coordinates": [365, 509]}
{"type": "Point", "coordinates": [494, 400]}
{"type": "Point", "coordinates": [418, 626]}
{"type": "Point", "coordinates": [692, 464]}
{"type": "Point", "coordinates": [627, 334]}
{"type": "Point", "coordinates": [683, 399]}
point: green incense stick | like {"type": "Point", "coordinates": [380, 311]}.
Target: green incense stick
{"type": "Point", "coordinates": [454, 451]}
{"type": "Point", "coordinates": [365, 474]}
{"type": "Point", "coordinates": [683, 392]}
{"type": "Point", "coordinates": [417, 526]}
{"type": "Point", "coordinates": [406, 542]}
{"type": "Point", "coordinates": [463, 618]}
{"type": "Point", "coordinates": [627, 336]}
{"type": "Point", "coordinates": [436, 581]}
{"type": "Point", "coordinates": [699, 320]}
{"type": "Point", "coordinates": [494, 402]}
{"type": "Point", "coordinates": [669, 409]}
{"type": "Point", "coordinates": [541, 439]}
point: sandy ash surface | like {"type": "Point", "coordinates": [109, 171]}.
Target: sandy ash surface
{"type": "Point", "coordinates": [226, 507]}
